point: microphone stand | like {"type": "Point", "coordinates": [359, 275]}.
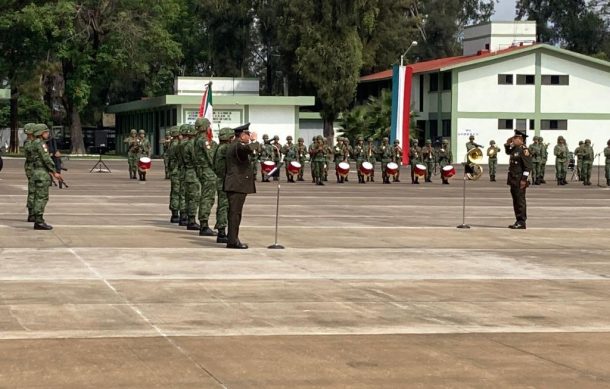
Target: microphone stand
{"type": "Point", "coordinates": [275, 245]}
{"type": "Point", "coordinates": [464, 225]}
{"type": "Point", "coordinates": [598, 168]}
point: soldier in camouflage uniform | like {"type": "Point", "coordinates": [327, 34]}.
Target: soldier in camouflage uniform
{"type": "Point", "coordinates": [277, 156]}
{"type": "Point", "coordinates": [42, 170]}
{"type": "Point", "coordinates": [28, 129]}
{"type": "Point", "coordinates": [445, 156]}
{"type": "Point", "coordinates": [492, 155]}
{"type": "Point", "coordinates": [204, 151]}
{"type": "Point", "coordinates": [311, 148]}
{"type": "Point", "coordinates": [397, 159]}
{"type": "Point", "coordinates": [255, 162]}
{"type": "Point", "coordinates": [338, 158]}
{"type": "Point", "coordinates": [578, 153]}
{"type": "Point", "coordinates": [536, 158]}
{"type": "Point", "coordinates": [544, 155]}
{"type": "Point", "coordinates": [328, 156]}
{"type": "Point", "coordinates": [289, 150]}
{"type": "Point", "coordinates": [179, 155]}
{"type": "Point", "coordinates": [385, 155]}
{"type": "Point", "coordinates": [143, 151]}
{"type": "Point", "coordinates": [266, 155]}
{"type": "Point", "coordinates": [607, 155]}
{"type": "Point", "coordinates": [428, 157]}
{"type": "Point", "coordinates": [359, 154]}
{"type": "Point", "coordinates": [587, 162]}
{"type": "Point", "coordinates": [165, 143]}
{"type": "Point", "coordinates": [371, 157]}
{"type": "Point", "coordinates": [302, 157]}
{"type": "Point", "coordinates": [225, 136]}
{"type": "Point", "coordinates": [414, 158]}
{"type": "Point", "coordinates": [132, 153]}
{"type": "Point", "coordinates": [318, 159]}
{"type": "Point", "coordinates": [191, 179]}
{"type": "Point", "coordinates": [561, 152]}
{"type": "Point", "coordinates": [174, 174]}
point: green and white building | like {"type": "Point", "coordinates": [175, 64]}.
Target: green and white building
{"type": "Point", "coordinates": [235, 100]}
{"type": "Point", "coordinates": [510, 83]}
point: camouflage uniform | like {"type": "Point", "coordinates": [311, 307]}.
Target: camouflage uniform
{"type": "Point", "coordinates": [428, 157]}
{"type": "Point", "coordinates": [132, 153]}
{"type": "Point", "coordinates": [191, 180]}
{"type": "Point", "coordinates": [328, 155]}
{"type": "Point", "coordinates": [534, 150]}
{"type": "Point", "coordinates": [415, 155]}
{"type": "Point", "coordinates": [302, 157]}
{"type": "Point", "coordinates": [290, 154]}
{"type": "Point", "coordinates": [204, 151]}
{"type": "Point", "coordinates": [318, 159]}
{"type": "Point", "coordinates": [28, 129]}
{"type": "Point", "coordinates": [492, 155]}
{"type": "Point", "coordinates": [338, 158]}
{"type": "Point", "coordinates": [385, 155]}
{"type": "Point", "coordinates": [166, 142]}
{"type": "Point", "coordinates": [371, 157]}
{"type": "Point", "coordinates": [607, 155]}
{"type": "Point", "coordinates": [397, 159]}
{"type": "Point", "coordinates": [220, 157]}
{"type": "Point", "coordinates": [143, 151]}
{"type": "Point", "coordinates": [42, 165]}
{"type": "Point", "coordinates": [561, 152]}
{"type": "Point", "coordinates": [544, 155]}
{"type": "Point", "coordinates": [578, 153]}
{"type": "Point", "coordinates": [587, 162]}
{"type": "Point", "coordinates": [359, 154]}
{"type": "Point", "coordinates": [445, 156]}
{"type": "Point", "coordinates": [266, 155]}
{"type": "Point", "coordinates": [277, 156]}
{"type": "Point", "coordinates": [174, 174]}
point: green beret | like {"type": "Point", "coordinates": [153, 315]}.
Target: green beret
{"type": "Point", "coordinates": [28, 129]}
{"type": "Point", "coordinates": [226, 133]}
{"type": "Point", "coordinates": [39, 129]}
{"type": "Point", "coordinates": [202, 122]}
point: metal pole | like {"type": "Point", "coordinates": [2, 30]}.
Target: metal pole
{"type": "Point", "coordinates": [277, 219]}
{"type": "Point", "coordinates": [464, 225]}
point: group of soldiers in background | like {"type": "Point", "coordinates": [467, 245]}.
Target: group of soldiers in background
{"type": "Point", "coordinates": [137, 147]}
{"type": "Point", "coordinates": [433, 158]}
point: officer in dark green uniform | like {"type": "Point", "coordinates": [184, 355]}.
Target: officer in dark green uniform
{"type": "Point", "coordinates": [225, 136]}
{"type": "Point", "coordinates": [28, 129]}
{"type": "Point", "coordinates": [519, 169]}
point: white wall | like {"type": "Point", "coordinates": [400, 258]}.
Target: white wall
{"type": "Point", "coordinates": [484, 130]}
{"type": "Point", "coordinates": [273, 120]}
{"type": "Point", "coordinates": [478, 89]}
{"type": "Point", "coordinates": [598, 131]}
{"type": "Point", "coordinates": [194, 86]}
{"type": "Point", "coordinates": [588, 92]}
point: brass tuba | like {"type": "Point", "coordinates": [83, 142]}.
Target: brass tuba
{"type": "Point", "coordinates": [473, 170]}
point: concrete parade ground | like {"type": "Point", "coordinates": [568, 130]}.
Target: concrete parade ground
{"type": "Point", "coordinates": [376, 288]}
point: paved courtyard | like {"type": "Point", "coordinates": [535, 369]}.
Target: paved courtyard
{"type": "Point", "coordinates": [376, 288]}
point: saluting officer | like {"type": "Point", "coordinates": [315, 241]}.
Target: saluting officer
{"type": "Point", "coordinates": [519, 169]}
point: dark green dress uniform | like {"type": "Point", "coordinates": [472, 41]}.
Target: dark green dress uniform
{"type": "Point", "coordinates": [220, 167]}
{"type": "Point", "coordinates": [519, 169]}
{"type": "Point", "coordinates": [238, 183]}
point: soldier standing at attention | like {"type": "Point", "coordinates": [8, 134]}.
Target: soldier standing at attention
{"type": "Point", "coordinates": [519, 169]}
{"type": "Point", "coordinates": [347, 152]}
{"type": "Point", "coordinates": [192, 186]}
{"type": "Point", "coordinates": [578, 152]}
{"type": "Point", "coordinates": [166, 142]}
{"type": "Point", "coordinates": [289, 150]}
{"type": "Point", "coordinates": [445, 156]}
{"type": "Point", "coordinates": [311, 149]}
{"type": "Point", "coordinates": [587, 162]}
{"type": "Point", "coordinates": [174, 174]}
{"type": "Point", "coordinates": [534, 150]}
{"type": "Point", "coordinates": [204, 148]}
{"type": "Point", "coordinates": [277, 156]}
{"type": "Point", "coordinates": [28, 129]}
{"type": "Point", "coordinates": [318, 158]}
{"type": "Point", "coordinates": [414, 159]}
{"type": "Point", "coordinates": [607, 155]}
{"type": "Point", "coordinates": [561, 159]}
{"type": "Point", "coordinates": [143, 151]}
{"type": "Point", "coordinates": [266, 155]}
{"type": "Point", "coordinates": [338, 158]}
{"type": "Point", "coordinates": [132, 153]}
{"type": "Point", "coordinates": [328, 156]}
{"type": "Point", "coordinates": [492, 155]}
{"type": "Point", "coordinates": [428, 156]}
{"type": "Point", "coordinates": [238, 181]}
{"type": "Point", "coordinates": [257, 150]}
{"type": "Point", "coordinates": [359, 156]}
{"type": "Point", "coordinates": [42, 168]}
{"type": "Point", "coordinates": [544, 155]}
{"type": "Point", "coordinates": [397, 159]}
{"type": "Point", "coordinates": [225, 136]}
{"type": "Point", "coordinates": [385, 155]}
{"type": "Point", "coordinates": [371, 157]}
{"type": "Point", "coordinates": [302, 157]}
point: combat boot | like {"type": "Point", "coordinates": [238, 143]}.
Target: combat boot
{"type": "Point", "coordinates": [42, 226]}
{"type": "Point", "coordinates": [183, 220]}
{"type": "Point", "coordinates": [320, 182]}
{"type": "Point", "coordinates": [192, 225]}
{"type": "Point", "coordinates": [338, 178]}
{"type": "Point", "coordinates": [31, 218]}
{"type": "Point", "coordinates": [205, 230]}
{"type": "Point", "coordinates": [175, 217]}
{"type": "Point", "coordinates": [222, 236]}
{"type": "Point", "coordinates": [608, 182]}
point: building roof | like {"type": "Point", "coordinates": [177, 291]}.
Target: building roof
{"type": "Point", "coordinates": [448, 63]}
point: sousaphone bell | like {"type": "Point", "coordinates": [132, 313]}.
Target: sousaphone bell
{"type": "Point", "coordinates": [473, 170]}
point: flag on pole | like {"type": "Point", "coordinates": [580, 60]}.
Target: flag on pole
{"type": "Point", "coordinates": [206, 109]}
{"type": "Point", "coordinates": [401, 107]}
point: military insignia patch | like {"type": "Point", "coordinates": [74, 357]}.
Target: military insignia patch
{"type": "Point", "coordinates": [526, 152]}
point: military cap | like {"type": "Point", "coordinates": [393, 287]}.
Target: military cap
{"type": "Point", "coordinates": [39, 129]}
{"type": "Point", "coordinates": [428, 141]}
{"type": "Point", "coordinates": [174, 131]}
{"type": "Point", "coordinates": [243, 128]}
{"type": "Point", "coordinates": [202, 122]}
{"type": "Point", "coordinates": [133, 131]}
{"type": "Point", "coordinates": [520, 133]}
{"type": "Point", "coordinates": [301, 140]}
{"type": "Point", "coordinates": [471, 137]}
{"type": "Point", "coordinates": [492, 142]}
{"type": "Point", "coordinates": [142, 132]}
{"type": "Point", "coordinates": [225, 133]}
{"type": "Point", "coordinates": [28, 129]}
{"type": "Point", "coordinates": [265, 136]}
{"type": "Point", "coordinates": [289, 137]}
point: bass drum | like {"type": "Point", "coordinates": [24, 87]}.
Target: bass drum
{"type": "Point", "coordinates": [144, 164]}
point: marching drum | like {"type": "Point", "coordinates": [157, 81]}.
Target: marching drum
{"type": "Point", "coordinates": [267, 166]}
{"type": "Point", "coordinates": [391, 168]}
{"type": "Point", "coordinates": [366, 168]}
{"type": "Point", "coordinates": [144, 164]}
{"type": "Point", "coordinates": [448, 171]}
{"type": "Point", "coordinates": [420, 170]}
{"type": "Point", "coordinates": [343, 168]}
{"type": "Point", "coordinates": [294, 167]}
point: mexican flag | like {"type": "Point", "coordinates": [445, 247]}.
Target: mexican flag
{"type": "Point", "coordinates": [206, 109]}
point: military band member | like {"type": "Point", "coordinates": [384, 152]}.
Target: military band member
{"type": "Point", "coordinates": [445, 157]}
{"type": "Point", "coordinates": [492, 158]}
{"type": "Point", "coordinates": [277, 156]}
{"type": "Point", "coordinates": [310, 150]}
{"type": "Point", "coordinates": [371, 157]}
{"type": "Point", "coordinates": [289, 150]}
{"type": "Point", "coordinates": [328, 156]}
{"type": "Point", "coordinates": [519, 169]}
{"type": "Point", "coordinates": [359, 154]}
{"type": "Point", "coordinates": [174, 174]}
{"type": "Point", "coordinates": [544, 154]}
{"type": "Point", "coordinates": [471, 144]}
{"type": "Point", "coordinates": [255, 158]}
{"type": "Point", "coordinates": [132, 152]}
{"type": "Point", "coordinates": [561, 152]}
{"type": "Point", "coordinates": [415, 155]}
{"type": "Point", "coordinates": [266, 155]}
{"type": "Point", "coordinates": [587, 162]}
{"type": "Point", "coordinates": [536, 157]}
{"type": "Point", "coordinates": [143, 151]}
{"type": "Point", "coordinates": [204, 148]}
{"type": "Point", "coordinates": [385, 155]}
{"type": "Point", "coordinates": [338, 158]}
{"type": "Point", "coordinates": [397, 159]}
{"type": "Point", "coordinates": [578, 153]}
{"type": "Point", "coordinates": [165, 144]}
{"type": "Point", "coordinates": [428, 157]}
{"type": "Point", "coordinates": [607, 155]}
{"type": "Point", "coordinates": [318, 159]}
{"type": "Point", "coordinates": [347, 153]}
{"type": "Point", "coordinates": [302, 157]}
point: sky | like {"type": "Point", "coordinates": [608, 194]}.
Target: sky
{"type": "Point", "coordinates": [505, 10]}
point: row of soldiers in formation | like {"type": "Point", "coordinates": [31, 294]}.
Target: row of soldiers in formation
{"type": "Point", "coordinates": [40, 169]}
{"type": "Point", "coordinates": [137, 147]}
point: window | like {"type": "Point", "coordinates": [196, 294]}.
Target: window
{"type": "Point", "coordinates": [555, 79]}
{"type": "Point", "coordinates": [525, 79]}
{"type": "Point", "coordinates": [446, 128]}
{"type": "Point", "coordinates": [434, 82]}
{"type": "Point", "coordinates": [505, 124]}
{"type": "Point", "coordinates": [520, 124]}
{"type": "Point", "coordinates": [447, 81]}
{"type": "Point", "coordinates": [505, 79]}
{"type": "Point", "coordinates": [553, 124]}
{"type": "Point", "coordinates": [532, 124]}
{"type": "Point", "coordinates": [421, 93]}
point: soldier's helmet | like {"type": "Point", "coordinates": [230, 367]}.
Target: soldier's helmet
{"type": "Point", "coordinates": [174, 131]}
{"type": "Point", "coordinates": [397, 142]}
{"type": "Point", "coordinates": [28, 129]}
{"type": "Point", "coordinates": [225, 133]}
{"type": "Point", "coordinates": [289, 138]}
{"type": "Point", "coordinates": [360, 138]}
{"type": "Point", "coordinates": [203, 123]}
{"type": "Point", "coordinates": [540, 139]}
{"type": "Point", "coordinates": [428, 141]}
{"type": "Point", "coordinates": [370, 139]}
{"type": "Point", "coordinates": [559, 138]}
{"type": "Point", "coordinates": [265, 137]}
{"type": "Point", "coordinates": [142, 132]}
{"type": "Point", "coordinates": [185, 129]}
{"type": "Point", "coordinates": [300, 140]}
{"type": "Point", "coordinates": [276, 138]}
{"type": "Point", "coordinates": [133, 131]}
{"type": "Point", "coordinates": [580, 142]}
{"type": "Point", "coordinates": [445, 141]}
{"type": "Point", "coordinates": [386, 139]}
{"type": "Point", "coordinates": [608, 142]}
{"type": "Point", "coordinates": [492, 142]}
{"type": "Point", "coordinates": [471, 137]}
{"type": "Point", "coordinates": [588, 141]}
{"type": "Point", "coordinates": [39, 129]}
